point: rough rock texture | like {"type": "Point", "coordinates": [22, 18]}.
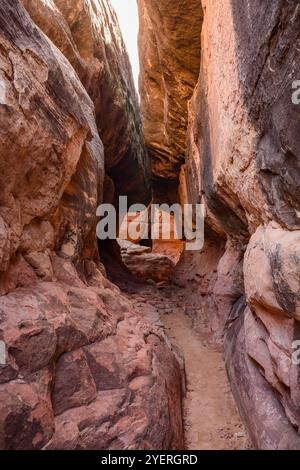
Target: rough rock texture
{"type": "Point", "coordinates": [170, 52]}
{"type": "Point", "coordinates": [242, 161]}
{"type": "Point", "coordinates": [52, 156]}
{"type": "Point", "coordinates": [88, 34]}
{"type": "Point", "coordinates": [83, 370]}
{"type": "Point", "coordinates": [146, 264]}
{"type": "Point", "coordinates": [248, 144]}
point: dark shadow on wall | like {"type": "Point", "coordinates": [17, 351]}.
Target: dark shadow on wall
{"type": "Point", "coordinates": [268, 52]}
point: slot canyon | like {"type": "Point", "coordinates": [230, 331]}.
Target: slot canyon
{"type": "Point", "coordinates": [142, 344]}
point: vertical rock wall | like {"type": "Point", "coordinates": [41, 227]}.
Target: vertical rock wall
{"type": "Point", "coordinates": [242, 161]}
{"type": "Point", "coordinates": [249, 145]}
{"type": "Point", "coordinates": [88, 34]}
{"type": "Point", "coordinates": [170, 50]}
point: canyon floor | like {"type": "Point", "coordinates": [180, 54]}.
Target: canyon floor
{"type": "Point", "coordinates": [212, 420]}
{"type": "Point", "coordinates": [211, 417]}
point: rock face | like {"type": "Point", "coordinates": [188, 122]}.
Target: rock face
{"type": "Point", "coordinates": [242, 161]}
{"type": "Point", "coordinates": [83, 370]}
{"type": "Point", "coordinates": [249, 144]}
{"type": "Point", "coordinates": [88, 34]}
{"type": "Point", "coordinates": [170, 46]}
{"type": "Point", "coordinates": [146, 264]}
{"type": "Point", "coordinates": [52, 163]}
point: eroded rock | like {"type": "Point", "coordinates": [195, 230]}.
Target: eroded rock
{"type": "Point", "coordinates": [88, 34]}
{"type": "Point", "coordinates": [170, 50]}
{"type": "Point", "coordinates": [58, 311]}
{"type": "Point", "coordinates": [242, 162]}
{"type": "Point", "coordinates": [145, 264]}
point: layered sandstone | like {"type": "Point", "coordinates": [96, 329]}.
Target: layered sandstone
{"type": "Point", "coordinates": [83, 370]}
{"type": "Point", "coordinates": [88, 34]}
{"type": "Point", "coordinates": [170, 50]}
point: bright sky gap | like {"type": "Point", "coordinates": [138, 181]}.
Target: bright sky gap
{"type": "Point", "coordinates": [127, 12]}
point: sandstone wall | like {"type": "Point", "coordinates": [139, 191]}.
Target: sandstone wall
{"type": "Point", "coordinates": [83, 370]}
{"type": "Point", "coordinates": [242, 161]}
{"type": "Point", "coordinates": [88, 34]}
{"type": "Point", "coordinates": [249, 144]}
{"type": "Point", "coordinates": [170, 51]}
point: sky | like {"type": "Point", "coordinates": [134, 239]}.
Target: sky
{"type": "Point", "coordinates": [129, 22]}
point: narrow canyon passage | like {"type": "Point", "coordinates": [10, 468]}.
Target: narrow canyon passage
{"type": "Point", "coordinates": [120, 347]}
{"type": "Point", "coordinates": [211, 418]}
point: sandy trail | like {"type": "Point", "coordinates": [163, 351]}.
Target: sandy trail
{"type": "Point", "coordinates": [212, 421]}
{"type": "Point", "coordinates": [211, 417]}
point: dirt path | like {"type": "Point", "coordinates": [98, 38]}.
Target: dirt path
{"type": "Point", "coordinates": [212, 420]}
{"type": "Point", "coordinates": [211, 417]}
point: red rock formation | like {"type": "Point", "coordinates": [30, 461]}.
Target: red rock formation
{"type": "Point", "coordinates": [242, 160]}
{"type": "Point", "coordinates": [145, 264]}
{"type": "Point", "coordinates": [88, 34]}
{"type": "Point", "coordinates": [83, 370]}
{"type": "Point", "coordinates": [170, 46]}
